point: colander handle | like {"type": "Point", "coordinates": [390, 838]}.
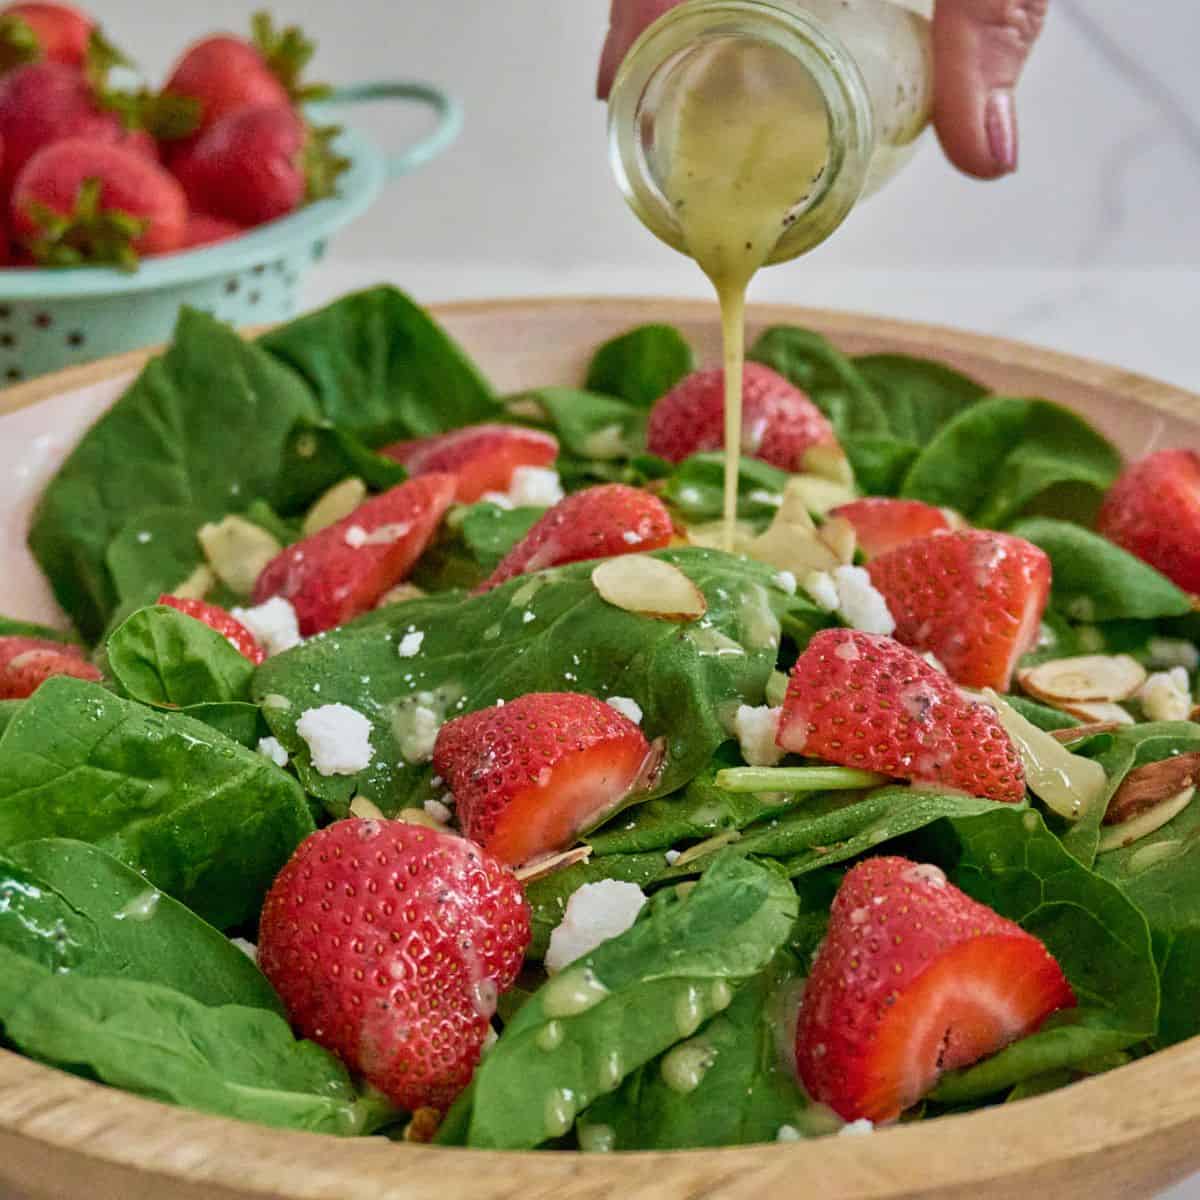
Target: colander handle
{"type": "Point", "coordinates": [448, 111]}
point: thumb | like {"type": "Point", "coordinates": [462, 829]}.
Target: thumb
{"type": "Point", "coordinates": [625, 24]}
{"type": "Point", "coordinates": [979, 48]}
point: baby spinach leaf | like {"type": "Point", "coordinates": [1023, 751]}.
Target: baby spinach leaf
{"type": "Point", "coordinates": [995, 458]}
{"type": "Point", "coordinates": [589, 425]}
{"type": "Point", "coordinates": [77, 910]}
{"type": "Point", "coordinates": [918, 395]}
{"type": "Point", "coordinates": [1095, 580]}
{"type": "Point", "coordinates": [642, 365]}
{"type": "Point", "coordinates": [152, 553]}
{"type": "Point", "coordinates": [544, 632]}
{"type": "Point", "coordinates": [13, 628]}
{"type": "Point", "coordinates": [236, 719]}
{"type": "Point", "coordinates": [204, 819]}
{"type": "Point", "coordinates": [382, 369]}
{"type": "Point", "coordinates": [727, 1086]}
{"type": "Point", "coordinates": [317, 455]}
{"type": "Point", "coordinates": [1008, 860]}
{"type": "Point", "coordinates": [1041, 715]}
{"type": "Point", "coordinates": [231, 1060]}
{"type": "Point", "coordinates": [489, 532]}
{"type": "Point", "coordinates": [880, 461]}
{"type": "Point", "coordinates": [163, 657]}
{"type": "Point", "coordinates": [8, 713]}
{"type": "Point", "coordinates": [203, 427]}
{"type": "Point", "coordinates": [697, 488]}
{"type": "Point", "coordinates": [628, 1001]}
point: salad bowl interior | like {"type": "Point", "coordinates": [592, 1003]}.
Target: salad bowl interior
{"type": "Point", "coordinates": [1130, 1131]}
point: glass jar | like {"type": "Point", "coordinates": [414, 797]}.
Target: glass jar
{"type": "Point", "coordinates": [858, 71]}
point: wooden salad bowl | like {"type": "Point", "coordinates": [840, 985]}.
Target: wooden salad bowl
{"type": "Point", "coordinates": [1130, 1132]}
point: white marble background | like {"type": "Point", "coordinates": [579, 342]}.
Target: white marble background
{"type": "Point", "coordinates": [1094, 246]}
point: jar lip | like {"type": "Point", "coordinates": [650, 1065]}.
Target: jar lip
{"type": "Point", "coordinates": [663, 45]}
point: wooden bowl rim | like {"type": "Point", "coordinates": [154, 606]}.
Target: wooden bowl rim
{"type": "Point", "coordinates": [1113, 1123]}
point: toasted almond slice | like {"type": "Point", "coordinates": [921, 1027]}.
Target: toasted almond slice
{"type": "Point", "coordinates": [649, 586]}
{"type": "Point", "coordinates": [338, 502]}
{"type": "Point", "coordinates": [197, 585]}
{"type": "Point", "coordinates": [1147, 786]}
{"type": "Point", "coordinates": [838, 534]}
{"type": "Point", "coordinates": [360, 806]}
{"type": "Point", "coordinates": [1068, 783]}
{"type": "Point", "coordinates": [418, 816]}
{"type": "Point", "coordinates": [547, 864]}
{"type": "Point", "coordinates": [526, 407]}
{"type": "Point", "coordinates": [819, 494]}
{"type": "Point", "coordinates": [400, 593]}
{"type": "Point", "coordinates": [1086, 677]}
{"type": "Point", "coordinates": [1098, 712]}
{"type": "Point", "coordinates": [1077, 733]}
{"type": "Point", "coordinates": [237, 550]}
{"type": "Point", "coordinates": [829, 462]}
{"type": "Point", "coordinates": [1117, 837]}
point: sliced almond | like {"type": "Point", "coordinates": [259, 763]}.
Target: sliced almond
{"type": "Point", "coordinates": [1145, 787]}
{"type": "Point", "coordinates": [237, 550]}
{"type": "Point", "coordinates": [1098, 712]}
{"type": "Point", "coordinates": [1067, 783]}
{"type": "Point", "coordinates": [338, 502]}
{"type": "Point", "coordinates": [839, 535]}
{"type": "Point", "coordinates": [360, 806]}
{"type": "Point", "coordinates": [649, 586]}
{"type": "Point", "coordinates": [547, 864]}
{"type": "Point", "coordinates": [1076, 733]}
{"type": "Point", "coordinates": [1117, 837]}
{"type": "Point", "coordinates": [820, 494]}
{"type": "Point", "coordinates": [197, 585]}
{"type": "Point", "coordinates": [400, 593]}
{"type": "Point", "coordinates": [418, 816]}
{"type": "Point", "coordinates": [1085, 677]}
{"type": "Point", "coordinates": [829, 462]}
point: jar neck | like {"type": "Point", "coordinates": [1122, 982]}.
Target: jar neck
{"type": "Point", "coordinates": [658, 60]}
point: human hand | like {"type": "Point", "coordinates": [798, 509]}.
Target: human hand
{"type": "Point", "coordinates": [979, 48]}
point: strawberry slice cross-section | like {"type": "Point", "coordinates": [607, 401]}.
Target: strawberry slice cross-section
{"type": "Point", "coordinates": [27, 662]}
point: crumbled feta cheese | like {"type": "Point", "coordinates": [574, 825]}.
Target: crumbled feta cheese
{"type": "Point", "coordinates": [270, 747]}
{"type": "Point", "coordinates": [499, 499]}
{"type": "Point", "coordinates": [595, 912]}
{"type": "Point", "coordinates": [249, 949]}
{"type": "Point", "coordinates": [144, 536]}
{"type": "Point", "coordinates": [672, 857]}
{"type": "Point", "coordinates": [355, 536]}
{"type": "Point", "coordinates": [631, 537]}
{"type": "Point", "coordinates": [273, 623]}
{"type": "Point", "coordinates": [627, 707]}
{"type": "Point", "coordinates": [416, 728]}
{"type": "Point", "coordinates": [1167, 696]}
{"type": "Point", "coordinates": [410, 644]}
{"type": "Point", "coordinates": [756, 729]}
{"type": "Point", "coordinates": [788, 1133]}
{"type": "Point", "coordinates": [438, 811]}
{"type": "Point", "coordinates": [762, 496]}
{"type": "Point", "coordinates": [338, 738]}
{"type": "Point", "coordinates": [853, 1128]}
{"type": "Point", "coordinates": [535, 487]}
{"type": "Point", "coordinates": [1173, 652]}
{"type": "Point", "coordinates": [527, 616]}
{"type": "Point", "coordinates": [860, 604]}
{"type": "Point", "coordinates": [822, 590]}
{"type": "Point", "coordinates": [785, 581]}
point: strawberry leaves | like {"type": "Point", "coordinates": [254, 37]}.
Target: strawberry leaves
{"type": "Point", "coordinates": [287, 53]}
{"type": "Point", "coordinates": [89, 233]}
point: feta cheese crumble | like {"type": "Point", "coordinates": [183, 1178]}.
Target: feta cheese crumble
{"type": "Point", "coordinates": [270, 747]}
{"type": "Point", "coordinates": [785, 581]}
{"type": "Point", "coordinates": [860, 604]}
{"type": "Point", "coordinates": [273, 623]}
{"type": "Point", "coordinates": [338, 738]}
{"type": "Point", "coordinates": [822, 590]}
{"type": "Point", "coordinates": [672, 857]}
{"type": "Point", "coordinates": [756, 729]}
{"type": "Point", "coordinates": [410, 643]}
{"type": "Point", "coordinates": [854, 1128]}
{"type": "Point", "coordinates": [249, 949]}
{"type": "Point", "coordinates": [1167, 696]}
{"type": "Point", "coordinates": [595, 912]}
{"type": "Point", "coordinates": [627, 707]}
{"type": "Point", "coordinates": [535, 487]}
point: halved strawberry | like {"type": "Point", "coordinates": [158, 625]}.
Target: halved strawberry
{"type": "Point", "coordinates": [529, 774]}
{"type": "Point", "coordinates": [882, 523]}
{"type": "Point", "coordinates": [26, 663]}
{"type": "Point", "coordinates": [861, 700]}
{"type": "Point", "coordinates": [974, 598]}
{"type": "Point", "coordinates": [224, 623]}
{"type": "Point", "coordinates": [483, 457]}
{"type": "Point", "coordinates": [1153, 511]}
{"type": "Point", "coordinates": [914, 978]}
{"type": "Point", "coordinates": [344, 569]}
{"type": "Point", "coordinates": [598, 522]}
{"type": "Point", "coordinates": [779, 422]}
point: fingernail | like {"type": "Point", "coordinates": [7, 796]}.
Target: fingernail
{"type": "Point", "coordinates": [1000, 122]}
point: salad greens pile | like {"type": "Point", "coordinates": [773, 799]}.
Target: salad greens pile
{"type": "Point", "coordinates": [140, 829]}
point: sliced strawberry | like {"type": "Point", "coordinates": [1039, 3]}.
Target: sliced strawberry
{"type": "Point", "coordinates": [224, 623]}
{"type": "Point", "coordinates": [598, 522]}
{"type": "Point", "coordinates": [914, 978]}
{"type": "Point", "coordinates": [1153, 511]}
{"type": "Point", "coordinates": [779, 422]}
{"type": "Point", "coordinates": [861, 700]}
{"type": "Point", "coordinates": [882, 524]}
{"type": "Point", "coordinates": [483, 457]}
{"type": "Point", "coordinates": [974, 598]}
{"type": "Point", "coordinates": [26, 663]}
{"type": "Point", "coordinates": [529, 774]}
{"type": "Point", "coordinates": [344, 569]}
{"type": "Point", "coordinates": [389, 944]}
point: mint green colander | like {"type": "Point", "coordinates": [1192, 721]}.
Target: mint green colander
{"type": "Point", "coordinates": [51, 319]}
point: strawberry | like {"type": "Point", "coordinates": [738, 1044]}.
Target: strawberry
{"type": "Point", "coordinates": [388, 944]}
{"type": "Point", "coordinates": [974, 598]}
{"type": "Point", "coordinates": [204, 230]}
{"type": "Point", "coordinates": [224, 623]}
{"type": "Point", "coordinates": [528, 774]}
{"type": "Point", "coordinates": [257, 164]}
{"type": "Point", "coordinates": [914, 978]}
{"type": "Point", "coordinates": [598, 522]}
{"type": "Point", "coordinates": [25, 663]}
{"type": "Point", "coordinates": [78, 201]}
{"type": "Point", "coordinates": [44, 32]}
{"type": "Point", "coordinates": [1153, 511]}
{"type": "Point", "coordinates": [779, 422]}
{"type": "Point", "coordinates": [344, 569]}
{"type": "Point", "coordinates": [861, 700]}
{"type": "Point", "coordinates": [882, 524]}
{"type": "Point", "coordinates": [483, 457]}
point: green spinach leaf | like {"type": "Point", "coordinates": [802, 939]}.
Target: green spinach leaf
{"type": "Point", "coordinates": [13, 628]}
{"type": "Point", "coordinates": [642, 365]}
{"type": "Point", "coordinates": [489, 532]}
{"type": "Point", "coordinates": [697, 488]}
{"type": "Point", "coordinates": [589, 425]}
{"type": "Point", "coordinates": [918, 395]}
